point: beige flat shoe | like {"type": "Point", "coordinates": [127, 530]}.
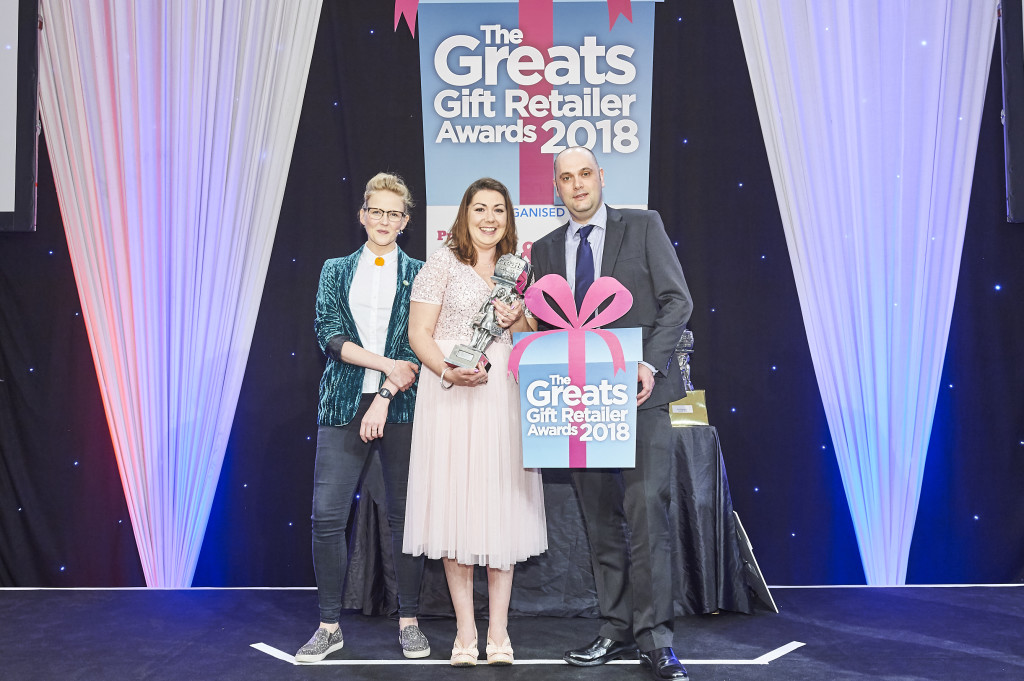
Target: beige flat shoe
{"type": "Point", "coordinates": [464, 656]}
{"type": "Point", "coordinates": [499, 655]}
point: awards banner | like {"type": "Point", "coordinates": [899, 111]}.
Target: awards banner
{"type": "Point", "coordinates": [577, 383]}
{"type": "Point", "coordinates": [507, 85]}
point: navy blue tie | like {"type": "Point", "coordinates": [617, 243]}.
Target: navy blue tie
{"type": "Point", "coordinates": [584, 265]}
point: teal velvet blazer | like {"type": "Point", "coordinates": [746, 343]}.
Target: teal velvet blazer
{"type": "Point", "coordinates": [341, 386]}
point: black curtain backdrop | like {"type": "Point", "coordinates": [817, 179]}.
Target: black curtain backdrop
{"type": "Point", "coordinates": [63, 517]}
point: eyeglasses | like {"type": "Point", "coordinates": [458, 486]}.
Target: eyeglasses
{"type": "Point", "coordinates": [379, 215]}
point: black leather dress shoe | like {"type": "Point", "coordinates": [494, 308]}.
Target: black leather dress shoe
{"type": "Point", "coordinates": [599, 651]}
{"type": "Point", "coordinates": [663, 664]}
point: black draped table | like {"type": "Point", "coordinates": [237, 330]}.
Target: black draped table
{"type": "Point", "coordinates": [710, 573]}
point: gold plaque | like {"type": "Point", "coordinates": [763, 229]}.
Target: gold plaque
{"type": "Point", "coordinates": [692, 410]}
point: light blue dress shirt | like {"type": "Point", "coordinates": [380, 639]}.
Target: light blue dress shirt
{"type": "Point", "coordinates": [572, 244]}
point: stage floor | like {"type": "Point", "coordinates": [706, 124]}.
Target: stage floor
{"type": "Point", "coordinates": [905, 633]}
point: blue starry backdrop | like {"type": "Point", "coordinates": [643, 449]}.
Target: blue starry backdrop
{"type": "Point", "coordinates": [63, 518]}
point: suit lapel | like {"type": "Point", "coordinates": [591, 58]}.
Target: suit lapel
{"type": "Point", "coordinates": [558, 253]}
{"type": "Point", "coordinates": [615, 230]}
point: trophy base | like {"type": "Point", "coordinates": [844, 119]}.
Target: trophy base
{"type": "Point", "coordinates": [466, 357]}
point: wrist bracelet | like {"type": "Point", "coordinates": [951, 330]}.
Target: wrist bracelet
{"type": "Point", "coordinates": [394, 363]}
{"type": "Point", "coordinates": [450, 384]}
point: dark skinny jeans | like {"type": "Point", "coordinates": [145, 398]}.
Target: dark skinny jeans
{"type": "Point", "coordinates": [340, 458]}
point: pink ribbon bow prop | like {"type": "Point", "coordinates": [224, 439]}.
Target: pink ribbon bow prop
{"type": "Point", "coordinates": [558, 289]}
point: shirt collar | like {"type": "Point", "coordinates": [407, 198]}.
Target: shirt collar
{"type": "Point", "coordinates": [598, 219]}
{"type": "Point", "coordinates": [389, 258]}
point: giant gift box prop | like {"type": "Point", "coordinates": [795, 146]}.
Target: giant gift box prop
{"type": "Point", "coordinates": [577, 383]}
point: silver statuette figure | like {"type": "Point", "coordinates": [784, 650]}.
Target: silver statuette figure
{"type": "Point", "coordinates": [511, 274]}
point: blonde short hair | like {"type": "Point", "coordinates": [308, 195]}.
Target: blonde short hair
{"type": "Point", "coordinates": [388, 182]}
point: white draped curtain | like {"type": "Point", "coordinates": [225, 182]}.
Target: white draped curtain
{"type": "Point", "coordinates": [870, 112]}
{"type": "Point", "coordinates": [170, 127]}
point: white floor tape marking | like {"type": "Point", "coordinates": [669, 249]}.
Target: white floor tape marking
{"type": "Point", "coordinates": [763, 659]}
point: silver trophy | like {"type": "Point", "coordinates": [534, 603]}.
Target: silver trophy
{"type": "Point", "coordinates": [684, 348]}
{"type": "Point", "coordinates": [511, 274]}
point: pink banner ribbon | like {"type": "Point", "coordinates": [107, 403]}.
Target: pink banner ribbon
{"type": "Point", "coordinates": [537, 21]}
{"type": "Point", "coordinates": [616, 8]}
{"type": "Point", "coordinates": [408, 9]}
{"type": "Point", "coordinates": [558, 289]}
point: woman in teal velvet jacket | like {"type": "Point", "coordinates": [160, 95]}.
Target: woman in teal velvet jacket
{"type": "Point", "coordinates": [367, 397]}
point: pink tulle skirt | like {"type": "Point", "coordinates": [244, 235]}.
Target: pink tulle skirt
{"type": "Point", "coordinates": [469, 496]}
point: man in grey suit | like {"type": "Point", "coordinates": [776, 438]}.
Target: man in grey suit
{"type": "Point", "coordinates": [633, 572]}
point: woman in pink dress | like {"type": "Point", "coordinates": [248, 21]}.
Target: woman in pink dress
{"type": "Point", "coordinates": [470, 500]}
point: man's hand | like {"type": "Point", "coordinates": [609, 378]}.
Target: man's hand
{"type": "Point", "coordinates": [646, 379]}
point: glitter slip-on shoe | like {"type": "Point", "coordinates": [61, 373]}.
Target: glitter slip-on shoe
{"type": "Point", "coordinates": [414, 643]}
{"type": "Point", "coordinates": [320, 646]}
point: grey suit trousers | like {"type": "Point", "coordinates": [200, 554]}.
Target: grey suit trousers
{"type": "Point", "coordinates": [633, 563]}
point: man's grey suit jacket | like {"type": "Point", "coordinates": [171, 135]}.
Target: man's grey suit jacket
{"type": "Point", "coordinates": [638, 253]}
